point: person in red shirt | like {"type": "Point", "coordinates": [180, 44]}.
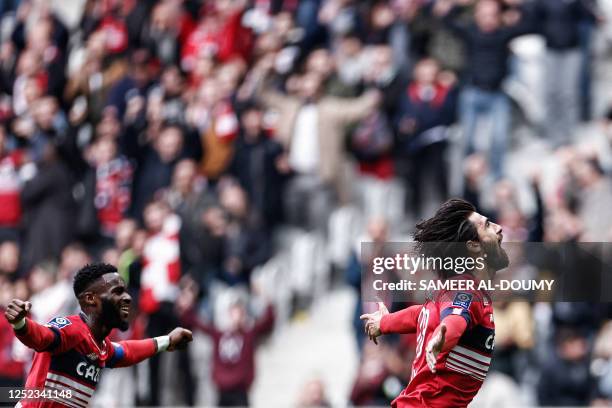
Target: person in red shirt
{"type": "Point", "coordinates": [11, 163]}
{"type": "Point", "coordinates": [114, 175]}
{"type": "Point", "coordinates": [455, 329]}
{"type": "Point", "coordinates": [71, 351]}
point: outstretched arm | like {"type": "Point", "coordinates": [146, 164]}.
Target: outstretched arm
{"type": "Point", "coordinates": [382, 322]}
{"type": "Point", "coordinates": [448, 11]}
{"type": "Point", "coordinates": [55, 339]}
{"type": "Point", "coordinates": [266, 322]}
{"type": "Point", "coordinates": [130, 352]}
{"type": "Point", "coordinates": [445, 337]}
{"type": "Point", "coordinates": [401, 322]}
{"type": "Point", "coordinates": [190, 320]}
{"type": "Point", "coordinates": [353, 109]}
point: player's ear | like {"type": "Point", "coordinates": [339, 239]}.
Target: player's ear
{"type": "Point", "coordinates": [89, 299]}
{"type": "Point", "coordinates": [473, 247]}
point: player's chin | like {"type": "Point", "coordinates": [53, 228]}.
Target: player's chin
{"type": "Point", "coordinates": [122, 320]}
{"type": "Point", "coordinates": [123, 325]}
{"type": "Point", "coordinates": [501, 261]}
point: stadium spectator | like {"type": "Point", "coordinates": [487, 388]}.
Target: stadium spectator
{"type": "Point", "coordinates": [124, 238]}
{"type": "Point", "coordinates": [88, 85]}
{"type": "Point", "coordinates": [323, 62]}
{"type": "Point", "coordinates": [47, 207]}
{"type": "Point", "coordinates": [155, 162]}
{"type": "Point", "coordinates": [166, 30]}
{"type": "Point", "coordinates": [234, 343]}
{"type": "Point", "coordinates": [29, 81]}
{"type": "Point", "coordinates": [513, 338]}
{"type": "Point", "coordinates": [132, 85]}
{"type": "Point", "coordinates": [220, 34]}
{"type": "Point", "coordinates": [169, 91]}
{"type": "Point", "coordinates": [39, 31]}
{"type": "Point", "coordinates": [594, 191]}
{"type": "Point", "coordinates": [113, 185]}
{"type": "Point", "coordinates": [260, 165]}
{"type": "Point", "coordinates": [214, 116]}
{"type": "Point", "coordinates": [247, 243]}
{"type": "Point", "coordinates": [566, 380]}
{"type": "Point", "coordinates": [311, 126]}
{"type": "Point", "coordinates": [372, 138]}
{"type": "Point", "coordinates": [161, 271]}
{"type": "Point", "coordinates": [9, 260]}
{"type": "Point", "coordinates": [561, 28]}
{"type": "Point", "coordinates": [11, 162]}
{"type": "Point", "coordinates": [486, 40]}
{"type": "Point", "coordinates": [190, 196]}
{"type": "Point", "coordinates": [340, 18]}
{"type": "Point", "coordinates": [426, 110]}
{"type": "Point", "coordinates": [375, 375]}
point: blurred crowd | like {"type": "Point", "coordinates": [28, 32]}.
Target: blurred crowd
{"type": "Point", "coordinates": [228, 156]}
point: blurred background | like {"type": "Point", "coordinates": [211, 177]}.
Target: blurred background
{"type": "Point", "coordinates": [229, 156]}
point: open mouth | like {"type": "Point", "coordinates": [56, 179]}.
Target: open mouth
{"type": "Point", "coordinates": [125, 311]}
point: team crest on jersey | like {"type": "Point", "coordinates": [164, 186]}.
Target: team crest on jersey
{"type": "Point", "coordinates": [59, 322]}
{"type": "Point", "coordinates": [462, 300]}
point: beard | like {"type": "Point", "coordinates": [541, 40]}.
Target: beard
{"type": "Point", "coordinates": [497, 258]}
{"type": "Point", "coordinates": [112, 316]}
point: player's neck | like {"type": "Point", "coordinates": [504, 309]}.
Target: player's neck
{"type": "Point", "coordinates": [481, 273]}
{"type": "Point", "coordinates": [98, 329]}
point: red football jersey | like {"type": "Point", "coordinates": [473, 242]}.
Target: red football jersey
{"type": "Point", "coordinates": [461, 370]}
{"type": "Point", "coordinates": [72, 363]}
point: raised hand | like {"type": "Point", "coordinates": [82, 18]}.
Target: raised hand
{"type": "Point", "coordinates": [179, 338]}
{"type": "Point", "coordinates": [434, 347]}
{"type": "Point", "coordinates": [188, 296]}
{"type": "Point", "coordinates": [17, 310]}
{"type": "Point", "coordinates": [372, 322]}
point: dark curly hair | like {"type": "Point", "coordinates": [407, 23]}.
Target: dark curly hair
{"type": "Point", "coordinates": [439, 235]}
{"type": "Point", "coordinates": [89, 274]}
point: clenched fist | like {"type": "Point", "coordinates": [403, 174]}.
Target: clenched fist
{"type": "Point", "coordinates": [17, 310]}
{"type": "Point", "coordinates": [179, 338]}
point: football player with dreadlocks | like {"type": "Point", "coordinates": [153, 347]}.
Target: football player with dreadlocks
{"type": "Point", "coordinates": [455, 329]}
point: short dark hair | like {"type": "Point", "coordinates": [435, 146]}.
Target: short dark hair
{"type": "Point", "coordinates": [249, 106]}
{"type": "Point", "coordinates": [439, 234]}
{"type": "Point", "coordinates": [89, 274]}
{"type": "Point", "coordinates": [173, 124]}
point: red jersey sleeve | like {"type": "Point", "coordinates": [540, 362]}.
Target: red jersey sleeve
{"type": "Point", "coordinates": [401, 322]}
{"type": "Point", "coordinates": [129, 352]}
{"type": "Point", "coordinates": [455, 327]}
{"type": "Point", "coordinates": [57, 336]}
{"type": "Point", "coordinates": [467, 304]}
{"type": "Point", "coordinates": [35, 336]}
